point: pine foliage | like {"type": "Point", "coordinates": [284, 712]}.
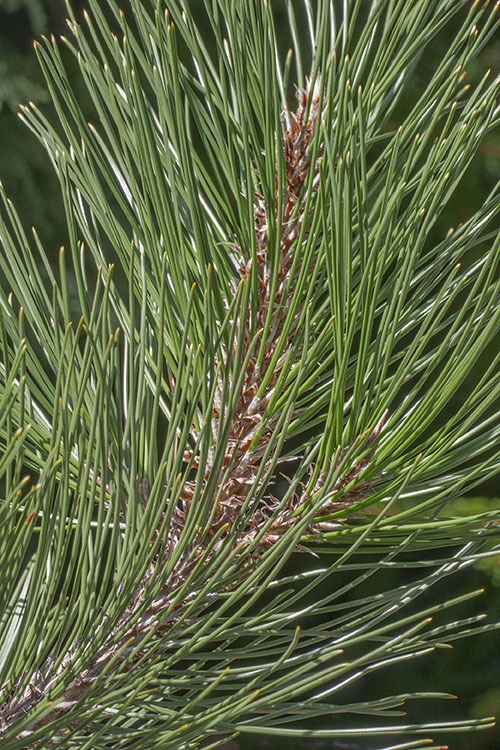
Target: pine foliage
{"type": "Point", "coordinates": [245, 356]}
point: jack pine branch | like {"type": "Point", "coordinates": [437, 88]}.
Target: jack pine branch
{"type": "Point", "coordinates": [248, 438]}
{"type": "Point", "coordinates": [217, 538]}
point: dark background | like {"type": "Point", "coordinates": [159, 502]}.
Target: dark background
{"type": "Point", "coordinates": [472, 669]}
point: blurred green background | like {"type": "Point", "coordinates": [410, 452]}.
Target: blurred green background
{"type": "Point", "coordinates": [472, 669]}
